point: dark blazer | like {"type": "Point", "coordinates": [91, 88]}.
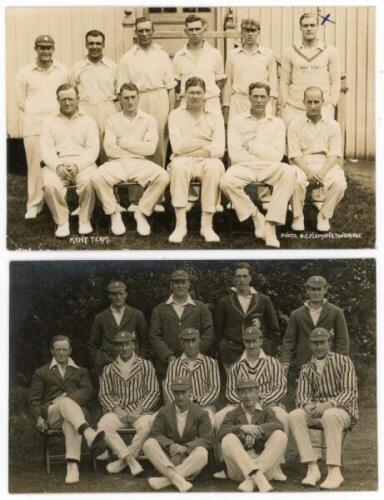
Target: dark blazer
{"type": "Point", "coordinates": [265, 418]}
{"type": "Point", "coordinates": [230, 322]}
{"type": "Point", "coordinates": [166, 326]}
{"type": "Point", "coordinates": [198, 430]}
{"type": "Point", "coordinates": [295, 345]}
{"type": "Point", "coordinates": [47, 384]}
{"type": "Point", "coordinates": [104, 330]}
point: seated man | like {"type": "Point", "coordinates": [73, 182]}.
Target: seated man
{"type": "Point", "coordinates": [316, 311]}
{"type": "Point", "coordinates": [128, 393]}
{"type": "Point", "coordinates": [60, 390]}
{"type": "Point", "coordinates": [130, 136]}
{"type": "Point", "coordinates": [180, 438]}
{"type": "Point", "coordinates": [265, 370]}
{"type": "Point", "coordinates": [252, 440]}
{"type": "Point", "coordinates": [315, 148]}
{"type": "Point", "coordinates": [198, 140]}
{"type": "Point", "coordinates": [203, 371]}
{"type": "Point", "coordinates": [69, 144]}
{"type": "Point", "coordinates": [256, 145]}
{"type": "Point", "coordinates": [326, 395]}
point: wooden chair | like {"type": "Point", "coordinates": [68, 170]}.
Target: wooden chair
{"type": "Point", "coordinates": [316, 432]}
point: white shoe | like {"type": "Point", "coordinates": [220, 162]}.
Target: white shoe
{"type": "Point", "coordinates": [265, 205]}
{"type": "Point", "coordinates": [85, 228]}
{"type": "Point", "coordinates": [247, 485]}
{"type": "Point", "coordinates": [189, 206]}
{"type": "Point", "coordinates": [209, 235]}
{"type": "Point", "coordinates": [103, 456]}
{"type": "Point", "coordinates": [133, 465]}
{"type": "Point", "coordinates": [159, 483]}
{"type": "Point", "coordinates": [333, 480]}
{"type": "Point", "coordinates": [178, 235]}
{"type": "Point", "coordinates": [76, 211]}
{"type": "Point", "coordinates": [143, 228]}
{"type": "Point", "coordinates": [62, 230]}
{"type": "Point", "coordinates": [298, 223]}
{"type": "Point", "coordinates": [132, 207]}
{"type": "Point", "coordinates": [313, 475]}
{"type": "Point", "coordinates": [259, 223]}
{"type": "Point", "coordinates": [318, 205]}
{"type": "Point", "coordinates": [116, 466]}
{"type": "Point", "coordinates": [220, 475]}
{"type": "Point", "coordinates": [117, 224]}
{"type": "Point", "coordinates": [219, 208]}
{"type": "Point", "coordinates": [270, 235]}
{"type": "Point", "coordinates": [159, 208]}
{"type": "Point", "coordinates": [182, 484]}
{"type": "Point", "coordinates": [72, 473]}
{"type": "Point", "coordinates": [32, 212]}
{"type": "Point", "coordinates": [278, 475]}
{"type": "Point", "coordinates": [322, 223]}
{"type": "Point", "coordinates": [262, 482]}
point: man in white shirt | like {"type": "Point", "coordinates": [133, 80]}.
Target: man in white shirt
{"type": "Point", "coordinates": [309, 63]}
{"type": "Point", "coordinates": [256, 145]}
{"type": "Point", "coordinates": [95, 79]}
{"type": "Point", "coordinates": [69, 144]}
{"type": "Point", "coordinates": [199, 58]}
{"type": "Point", "coordinates": [36, 85]}
{"type": "Point", "coordinates": [179, 441]}
{"type": "Point", "coordinates": [198, 141]}
{"type": "Point", "coordinates": [130, 136]}
{"type": "Point", "coordinates": [315, 149]}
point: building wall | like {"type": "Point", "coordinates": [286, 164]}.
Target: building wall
{"type": "Point", "coordinates": [353, 35]}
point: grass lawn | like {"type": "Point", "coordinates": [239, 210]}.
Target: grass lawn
{"type": "Point", "coordinates": [353, 226]}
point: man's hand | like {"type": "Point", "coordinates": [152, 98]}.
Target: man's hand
{"type": "Point", "coordinates": [41, 424]}
{"type": "Point", "coordinates": [135, 414]}
{"type": "Point", "coordinates": [73, 170]}
{"type": "Point", "coordinates": [285, 368]}
{"type": "Point", "coordinates": [322, 407]}
{"type": "Point", "coordinates": [175, 449]}
{"type": "Point", "coordinates": [170, 359]}
{"type": "Point", "coordinates": [249, 441]}
{"type": "Point", "coordinates": [121, 414]}
{"type": "Point", "coordinates": [64, 174]}
{"type": "Point", "coordinates": [310, 409]}
{"type": "Point", "coordinates": [177, 459]}
{"type": "Point", "coordinates": [254, 430]}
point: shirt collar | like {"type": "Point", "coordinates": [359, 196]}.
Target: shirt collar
{"type": "Point", "coordinates": [139, 114]}
{"type": "Point", "coordinates": [256, 407]}
{"type": "Point", "coordinates": [79, 112]}
{"type": "Point", "coordinates": [320, 45]}
{"type": "Point", "coordinates": [188, 300]}
{"type": "Point", "coordinates": [181, 413]}
{"type": "Point", "coordinates": [306, 303]}
{"type": "Point", "coordinates": [154, 46]}
{"type": "Point", "coordinates": [131, 360]}
{"type": "Point", "coordinates": [198, 358]}
{"type": "Point", "coordinates": [262, 355]}
{"type": "Point", "coordinates": [70, 363]}
{"type": "Point", "coordinates": [248, 114]}
{"type": "Point", "coordinates": [258, 48]}
{"type": "Point", "coordinates": [53, 65]}
{"type": "Point", "coordinates": [103, 60]}
{"type": "Point", "coordinates": [252, 291]}
{"type": "Point", "coordinates": [114, 309]}
{"type": "Point", "coordinates": [185, 49]}
{"type": "Point", "coordinates": [327, 356]}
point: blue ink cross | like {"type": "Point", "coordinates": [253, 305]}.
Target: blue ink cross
{"type": "Point", "coordinates": [326, 18]}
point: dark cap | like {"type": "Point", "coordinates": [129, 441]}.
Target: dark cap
{"type": "Point", "coordinates": [181, 384]}
{"type": "Point", "coordinates": [45, 40]}
{"type": "Point", "coordinates": [179, 274]}
{"type": "Point", "coordinates": [319, 333]}
{"type": "Point", "coordinates": [189, 333]}
{"type": "Point", "coordinates": [115, 286]}
{"type": "Point", "coordinates": [316, 281]}
{"type": "Point", "coordinates": [246, 383]}
{"type": "Point", "coordinates": [124, 336]}
{"type": "Point", "coordinates": [252, 332]}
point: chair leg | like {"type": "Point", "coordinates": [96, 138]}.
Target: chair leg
{"type": "Point", "coordinates": [47, 454]}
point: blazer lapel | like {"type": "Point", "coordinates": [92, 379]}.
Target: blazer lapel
{"type": "Point", "coordinates": [236, 304]}
{"type": "Point", "coordinates": [307, 317]}
{"type": "Point", "coordinates": [253, 304]}
{"type": "Point", "coordinates": [188, 310]}
{"type": "Point", "coordinates": [324, 313]}
{"type": "Point", "coordinates": [171, 313]}
{"type": "Point", "coordinates": [189, 422]}
{"type": "Point", "coordinates": [111, 318]}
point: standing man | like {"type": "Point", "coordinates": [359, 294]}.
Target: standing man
{"type": "Point", "coordinates": [326, 395]}
{"type": "Point", "coordinates": [149, 67]}
{"type": "Point", "coordinates": [316, 312]}
{"type": "Point", "coordinates": [198, 141]}
{"type": "Point", "coordinates": [250, 62]}
{"type": "Point", "coordinates": [36, 86]}
{"type": "Point", "coordinates": [315, 149]}
{"type": "Point", "coordinates": [117, 317]}
{"type": "Point", "coordinates": [128, 394]}
{"type": "Point", "coordinates": [130, 136]}
{"type": "Point", "coordinates": [179, 441]}
{"type": "Point", "coordinates": [256, 145]}
{"type": "Point", "coordinates": [95, 79]}
{"type": "Point", "coordinates": [202, 370]}
{"type": "Point", "coordinates": [170, 318]}
{"type": "Point", "coordinates": [60, 392]}
{"type": "Point", "coordinates": [69, 144]}
{"type": "Point", "coordinates": [199, 58]}
{"type": "Point", "coordinates": [309, 63]}
{"type": "Point", "coordinates": [253, 442]}
{"type": "Point", "coordinates": [242, 308]}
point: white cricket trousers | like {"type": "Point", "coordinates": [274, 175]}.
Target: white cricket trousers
{"type": "Point", "coordinates": [331, 193]}
{"type": "Point", "coordinates": [34, 175]}
{"type": "Point", "coordinates": [333, 421]}
{"type": "Point", "coordinates": [110, 424]}
{"type": "Point", "coordinates": [144, 172]}
{"type": "Point", "coordinates": [68, 414]}
{"type": "Point", "coordinates": [55, 193]}
{"type": "Point", "coordinates": [279, 175]}
{"type": "Point", "coordinates": [241, 463]}
{"type": "Point", "coordinates": [189, 468]}
{"type": "Point", "coordinates": [208, 170]}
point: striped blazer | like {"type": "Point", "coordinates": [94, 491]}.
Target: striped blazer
{"type": "Point", "coordinates": [268, 374]}
{"type": "Point", "coordinates": [141, 388]}
{"type": "Point", "coordinates": [337, 383]}
{"type": "Point", "coordinates": [204, 376]}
